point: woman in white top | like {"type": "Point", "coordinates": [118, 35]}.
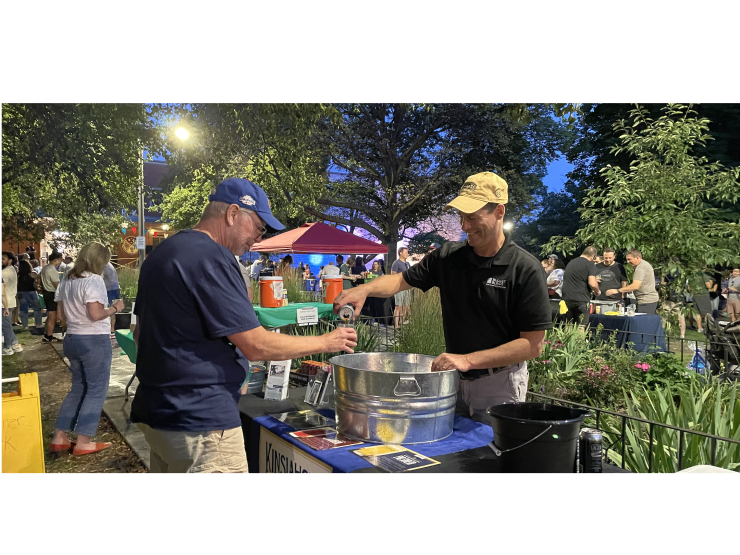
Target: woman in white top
{"type": "Point", "coordinates": [82, 298]}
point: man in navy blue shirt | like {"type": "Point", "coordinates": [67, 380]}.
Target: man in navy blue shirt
{"type": "Point", "coordinates": [195, 326]}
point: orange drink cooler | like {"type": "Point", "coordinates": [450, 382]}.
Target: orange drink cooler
{"type": "Point", "coordinates": [330, 289]}
{"type": "Point", "coordinates": [271, 291]}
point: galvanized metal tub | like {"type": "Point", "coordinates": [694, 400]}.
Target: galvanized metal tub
{"type": "Point", "coordinates": [393, 398]}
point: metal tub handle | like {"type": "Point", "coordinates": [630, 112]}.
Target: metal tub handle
{"type": "Point", "coordinates": [407, 387]}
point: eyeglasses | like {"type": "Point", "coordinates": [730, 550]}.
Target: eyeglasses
{"type": "Point", "coordinates": [464, 217]}
{"type": "Point", "coordinates": [262, 228]}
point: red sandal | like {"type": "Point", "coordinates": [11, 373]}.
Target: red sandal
{"type": "Point", "coordinates": [98, 447]}
{"type": "Point", "coordinates": [57, 447]}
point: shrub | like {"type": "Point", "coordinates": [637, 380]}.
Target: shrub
{"type": "Point", "coordinates": [424, 334]}
{"type": "Point", "coordinates": [663, 369]}
{"type": "Point", "coordinates": [293, 284]}
{"type": "Point", "coordinates": [128, 282]}
{"type": "Point", "coordinates": [711, 407]}
{"type": "Point", "coordinates": [368, 339]}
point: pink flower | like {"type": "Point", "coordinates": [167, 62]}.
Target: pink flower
{"type": "Point", "coordinates": [644, 366]}
{"type": "Point", "coordinates": [548, 342]}
{"type": "Point", "coordinates": [546, 362]}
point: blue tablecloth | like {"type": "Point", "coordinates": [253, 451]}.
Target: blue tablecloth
{"type": "Point", "coordinates": [466, 434]}
{"type": "Point", "coordinates": [645, 331]}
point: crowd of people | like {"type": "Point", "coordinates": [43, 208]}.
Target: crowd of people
{"type": "Point", "coordinates": [196, 329]}
{"type": "Point", "coordinates": [591, 277]}
{"type": "Point", "coordinates": [355, 270]}
{"type": "Point", "coordinates": [81, 294]}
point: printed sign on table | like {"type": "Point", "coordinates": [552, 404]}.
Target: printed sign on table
{"type": "Point", "coordinates": [277, 456]}
{"type": "Point", "coordinates": [394, 458]}
{"type": "Point", "coordinates": [307, 316]}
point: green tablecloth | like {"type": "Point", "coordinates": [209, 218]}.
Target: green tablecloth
{"type": "Point", "coordinates": [268, 317]}
{"type": "Point", "coordinates": [125, 339]}
{"type": "Point", "coordinates": [285, 315]}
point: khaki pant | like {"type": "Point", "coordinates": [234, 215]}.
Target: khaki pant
{"type": "Point", "coordinates": [505, 386]}
{"type": "Point", "coordinates": [216, 451]}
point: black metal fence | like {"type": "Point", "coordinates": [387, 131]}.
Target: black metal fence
{"type": "Point", "coordinates": [652, 444]}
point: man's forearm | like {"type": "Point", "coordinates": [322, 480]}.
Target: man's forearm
{"type": "Point", "coordinates": [385, 286]}
{"type": "Point", "coordinates": [260, 344]}
{"type": "Point", "coordinates": [518, 350]}
{"type": "Point", "coordinates": [628, 288]}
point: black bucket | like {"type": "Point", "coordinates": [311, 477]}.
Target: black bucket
{"type": "Point", "coordinates": [535, 437]}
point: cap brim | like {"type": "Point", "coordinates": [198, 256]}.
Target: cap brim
{"type": "Point", "coordinates": [466, 205]}
{"type": "Point", "coordinates": [272, 223]}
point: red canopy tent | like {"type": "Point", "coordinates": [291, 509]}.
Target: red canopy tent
{"type": "Point", "coordinates": [318, 238]}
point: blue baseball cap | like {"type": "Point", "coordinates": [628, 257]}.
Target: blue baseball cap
{"type": "Point", "coordinates": [247, 195]}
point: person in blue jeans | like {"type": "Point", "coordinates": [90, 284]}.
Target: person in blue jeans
{"type": "Point", "coordinates": [10, 284]}
{"type": "Point", "coordinates": [110, 277]}
{"type": "Point", "coordinates": [8, 333]}
{"type": "Point", "coordinates": [27, 295]}
{"type": "Point", "coordinates": [82, 298]}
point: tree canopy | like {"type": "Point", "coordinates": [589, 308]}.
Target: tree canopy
{"type": "Point", "coordinates": [79, 164]}
{"type": "Point", "coordinates": [665, 202]}
{"type": "Point", "coordinates": [382, 168]}
{"type": "Point", "coordinates": [271, 144]}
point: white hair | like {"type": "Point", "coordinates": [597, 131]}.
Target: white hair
{"type": "Point", "coordinates": [216, 209]}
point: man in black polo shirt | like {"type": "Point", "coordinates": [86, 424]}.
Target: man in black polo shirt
{"type": "Point", "coordinates": [578, 282]}
{"type": "Point", "coordinates": [611, 275]}
{"type": "Point", "coordinates": [195, 326]}
{"type": "Point", "coordinates": [495, 306]}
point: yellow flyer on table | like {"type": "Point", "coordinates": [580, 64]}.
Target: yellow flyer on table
{"type": "Point", "coordinates": [394, 458]}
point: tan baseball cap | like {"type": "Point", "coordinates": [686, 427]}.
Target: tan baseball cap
{"type": "Point", "coordinates": [478, 190]}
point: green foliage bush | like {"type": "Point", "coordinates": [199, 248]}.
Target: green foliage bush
{"type": "Point", "coordinates": [583, 368]}
{"type": "Point", "coordinates": [128, 282]}
{"type": "Point", "coordinates": [293, 284]}
{"type": "Point", "coordinates": [424, 333]}
{"type": "Point", "coordinates": [708, 406]}
{"type": "Point", "coordinates": [368, 339]}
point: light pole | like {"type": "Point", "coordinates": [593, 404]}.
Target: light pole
{"type": "Point", "coordinates": [181, 134]}
{"type": "Point", "coordinates": [142, 230]}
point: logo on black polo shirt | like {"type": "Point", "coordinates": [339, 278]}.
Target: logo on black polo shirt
{"type": "Point", "coordinates": [498, 283]}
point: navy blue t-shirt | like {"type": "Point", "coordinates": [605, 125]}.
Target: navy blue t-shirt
{"type": "Point", "coordinates": [191, 296]}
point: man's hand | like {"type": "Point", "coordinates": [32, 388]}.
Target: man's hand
{"type": "Point", "coordinates": [354, 296]}
{"type": "Point", "coordinates": [341, 339]}
{"type": "Point", "coordinates": [610, 292]}
{"type": "Point", "coordinates": [446, 361]}
{"type": "Point", "coordinates": [6, 312]}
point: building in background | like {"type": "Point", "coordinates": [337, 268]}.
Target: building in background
{"type": "Point", "coordinates": [156, 231]}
